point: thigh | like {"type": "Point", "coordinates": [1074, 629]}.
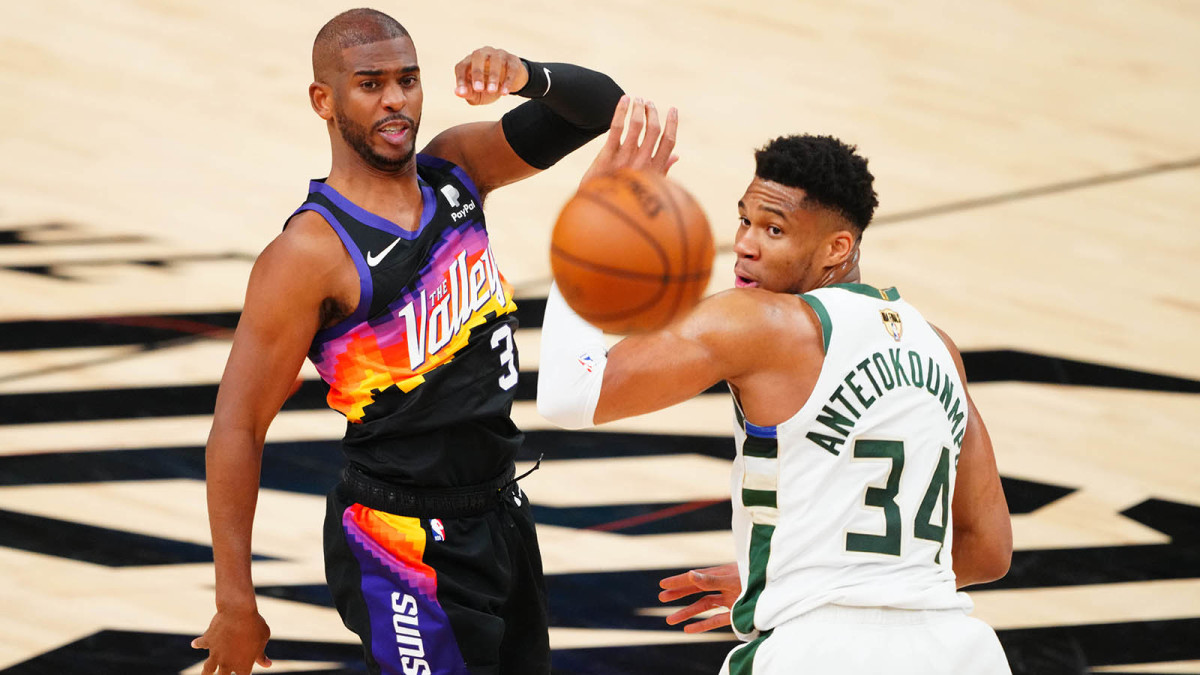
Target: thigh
{"type": "Point", "coordinates": [386, 591]}
{"type": "Point", "coordinates": [525, 649]}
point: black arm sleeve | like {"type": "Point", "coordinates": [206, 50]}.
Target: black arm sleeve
{"type": "Point", "coordinates": [570, 106]}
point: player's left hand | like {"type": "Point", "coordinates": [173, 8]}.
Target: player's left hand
{"type": "Point", "coordinates": [722, 586]}
{"type": "Point", "coordinates": [488, 73]}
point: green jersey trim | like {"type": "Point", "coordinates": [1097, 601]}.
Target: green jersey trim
{"type": "Point", "coordinates": [822, 316]}
{"type": "Point", "coordinates": [741, 662]}
{"type": "Point", "coordinates": [870, 291]}
{"type": "Point", "coordinates": [756, 581]}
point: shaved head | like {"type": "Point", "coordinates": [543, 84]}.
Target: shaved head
{"type": "Point", "coordinates": [349, 29]}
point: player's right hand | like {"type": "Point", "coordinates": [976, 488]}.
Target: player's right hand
{"type": "Point", "coordinates": [235, 641]}
{"type": "Point", "coordinates": [628, 149]}
{"type": "Point", "coordinates": [722, 586]}
{"type": "Point", "coordinates": [486, 74]}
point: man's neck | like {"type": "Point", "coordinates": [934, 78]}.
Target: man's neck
{"type": "Point", "coordinates": [846, 273]}
{"type": "Point", "coordinates": [395, 196]}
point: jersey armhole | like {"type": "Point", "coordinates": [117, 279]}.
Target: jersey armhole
{"type": "Point", "coordinates": [365, 288]}
{"type": "Point", "coordinates": [822, 317]}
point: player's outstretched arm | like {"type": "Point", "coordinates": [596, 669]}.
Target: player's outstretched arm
{"type": "Point", "coordinates": [982, 548]}
{"type": "Point", "coordinates": [278, 321]}
{"type": "Point", "coordinates": [723, 338]}
{"type": "Point", "coordinates": [569, 106]}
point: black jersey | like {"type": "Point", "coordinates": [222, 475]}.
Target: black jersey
{"type": "Point", "coordinates": [425, 368]}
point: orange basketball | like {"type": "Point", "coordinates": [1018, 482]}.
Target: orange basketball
{"type": "Point", "coordinates": [631, 251]}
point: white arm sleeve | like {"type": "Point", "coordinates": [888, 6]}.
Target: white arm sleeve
{"type": "Point", "coordinates": [571, 367]}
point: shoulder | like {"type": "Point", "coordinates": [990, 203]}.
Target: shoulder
{"type": "Point", "coordinates": [437, 170]}
{"type": "Point", "coordinates": [745, 320]}
{"type": "Point", "coordinates": [756, 308]}
{"type": "Point", "coordinates": [953, 349]}
{"type": "Point", "coordinates": [307, 248]}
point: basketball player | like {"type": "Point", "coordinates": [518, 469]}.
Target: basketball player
{"type": "Point", "coordinates": [865, 490]}
{"type": "Point", "coordinates": [385, 278]}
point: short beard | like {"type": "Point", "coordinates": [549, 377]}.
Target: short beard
{"type": "Point", "coordinates": [356, 136]}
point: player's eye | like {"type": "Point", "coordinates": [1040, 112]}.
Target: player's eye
{"type": "Point", "coordinates": [743, 222]}
{"type": "Point", "coordinates": [774, 231]}
{"type": "Point", "coordinates": [368, 84]}
{"type": "Point", "coordinates": [408, 81]}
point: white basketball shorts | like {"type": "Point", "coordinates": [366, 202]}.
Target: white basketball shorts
{"type": "Point", "coordinates": [836, 640]}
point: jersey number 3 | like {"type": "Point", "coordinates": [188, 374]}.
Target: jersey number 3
{"type": "Point", "coordinates": [504, 335]}
{"type": "Point", "coordinates": [884, 498]}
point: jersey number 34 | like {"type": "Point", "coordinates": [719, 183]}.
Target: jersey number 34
{"type": "Point", "coordinates": [884, 498]}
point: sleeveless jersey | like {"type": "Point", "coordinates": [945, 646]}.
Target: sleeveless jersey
{"type": "Point", "coordinates": [848, 502]}
{"type": "Point", "coordinates": [425, 367]}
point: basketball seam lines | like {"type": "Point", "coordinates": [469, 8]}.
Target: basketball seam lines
{"type": "Point", "coordinates": [625, 274]}
{"type": "Point", "coordinates": [683, 244]}
{"type": "Point", "coordinates": [654, 245]}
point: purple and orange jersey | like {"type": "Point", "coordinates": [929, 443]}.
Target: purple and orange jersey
{"type": "Point", "coordinates": [425, 367]}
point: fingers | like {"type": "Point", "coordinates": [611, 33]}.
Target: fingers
{"type": "Point", "coordinates": [698, 607]}
{"type": "Point", "coordinates": [617, 127]}
{"type": "Point", "coordinates": [478, 71]}
{"type": "Point", "coordinates": [679, 581]}
{"type": "Point", "coordinates": [513, 69]}
{"type": "Point", "coordinates": [709, 582]}
{"type": "Point", "coordinates": [726, 570]}
{"type": "Point", "coordinates": [487, 74]}
{"type": "Point", "coordinates": [675, 594]}
{"type": "Point", "coordinates": [461, 89]}
{"type": "Point", "coordinates": [646, 150]}
{"type": "Point", "coordinates": [715, 621]}
{"type": "Point", "coordinates": [633, 133]}
{"type": "Point", "coordinates": [663, 159]}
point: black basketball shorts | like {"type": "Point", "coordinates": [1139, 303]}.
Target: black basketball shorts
{"type": "Point", "coordinates": [438, 583]}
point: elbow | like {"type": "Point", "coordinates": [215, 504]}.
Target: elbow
{"type": "Point", "coordinates": [981, 557]}
{"type": "Point", "coordinates": [996, 564]}
{"type": "Point", "coordinates": [1001, 549]}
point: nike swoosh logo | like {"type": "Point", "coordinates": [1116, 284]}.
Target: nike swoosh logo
{"type": "Point", "coordinates": [373, 260]}
{"type": "Point", "coordinates": [547, 72]}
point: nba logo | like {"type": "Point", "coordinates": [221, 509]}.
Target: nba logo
{"type": "Point", "coordinates": [439, 530]}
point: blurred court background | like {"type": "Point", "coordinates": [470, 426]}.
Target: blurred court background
{"type": "Point", "coordinates": [1037, 166]}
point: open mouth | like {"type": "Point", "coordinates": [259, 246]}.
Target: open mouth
{"type": "Point", "coordinates": [394, 131]}
{"type": "Point", "coordinates": [740, 281]}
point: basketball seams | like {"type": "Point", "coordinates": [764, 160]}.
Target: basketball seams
{"type": "Point", "coordinates": [624, 274]}
{"type": "Point", "coordinates": [684, 258]}
{"type": "Point", "coordinates": [663, 258]}
{"type": "Point", "coordinates": [593, 256]}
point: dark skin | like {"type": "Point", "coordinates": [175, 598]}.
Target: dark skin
{"type": "Point", "coordinates": [767, 344]}
{"type": "Point", "coordinates": [305, 280]}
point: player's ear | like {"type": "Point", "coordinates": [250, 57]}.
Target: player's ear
{"type": "Point", "coordinates": [840, 247]}
{"type": "Point", "coordinates": [321, 97]}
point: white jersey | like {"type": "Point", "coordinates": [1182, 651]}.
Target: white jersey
{"type": "Point", "coordinates": [848, 502]}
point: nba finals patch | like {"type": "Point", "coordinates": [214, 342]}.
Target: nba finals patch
{"type": "Point", "coordinates": [892, 323]}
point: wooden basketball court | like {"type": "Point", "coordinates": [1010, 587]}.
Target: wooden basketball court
{"type": "Point", "coordinates": [1038, 166]}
